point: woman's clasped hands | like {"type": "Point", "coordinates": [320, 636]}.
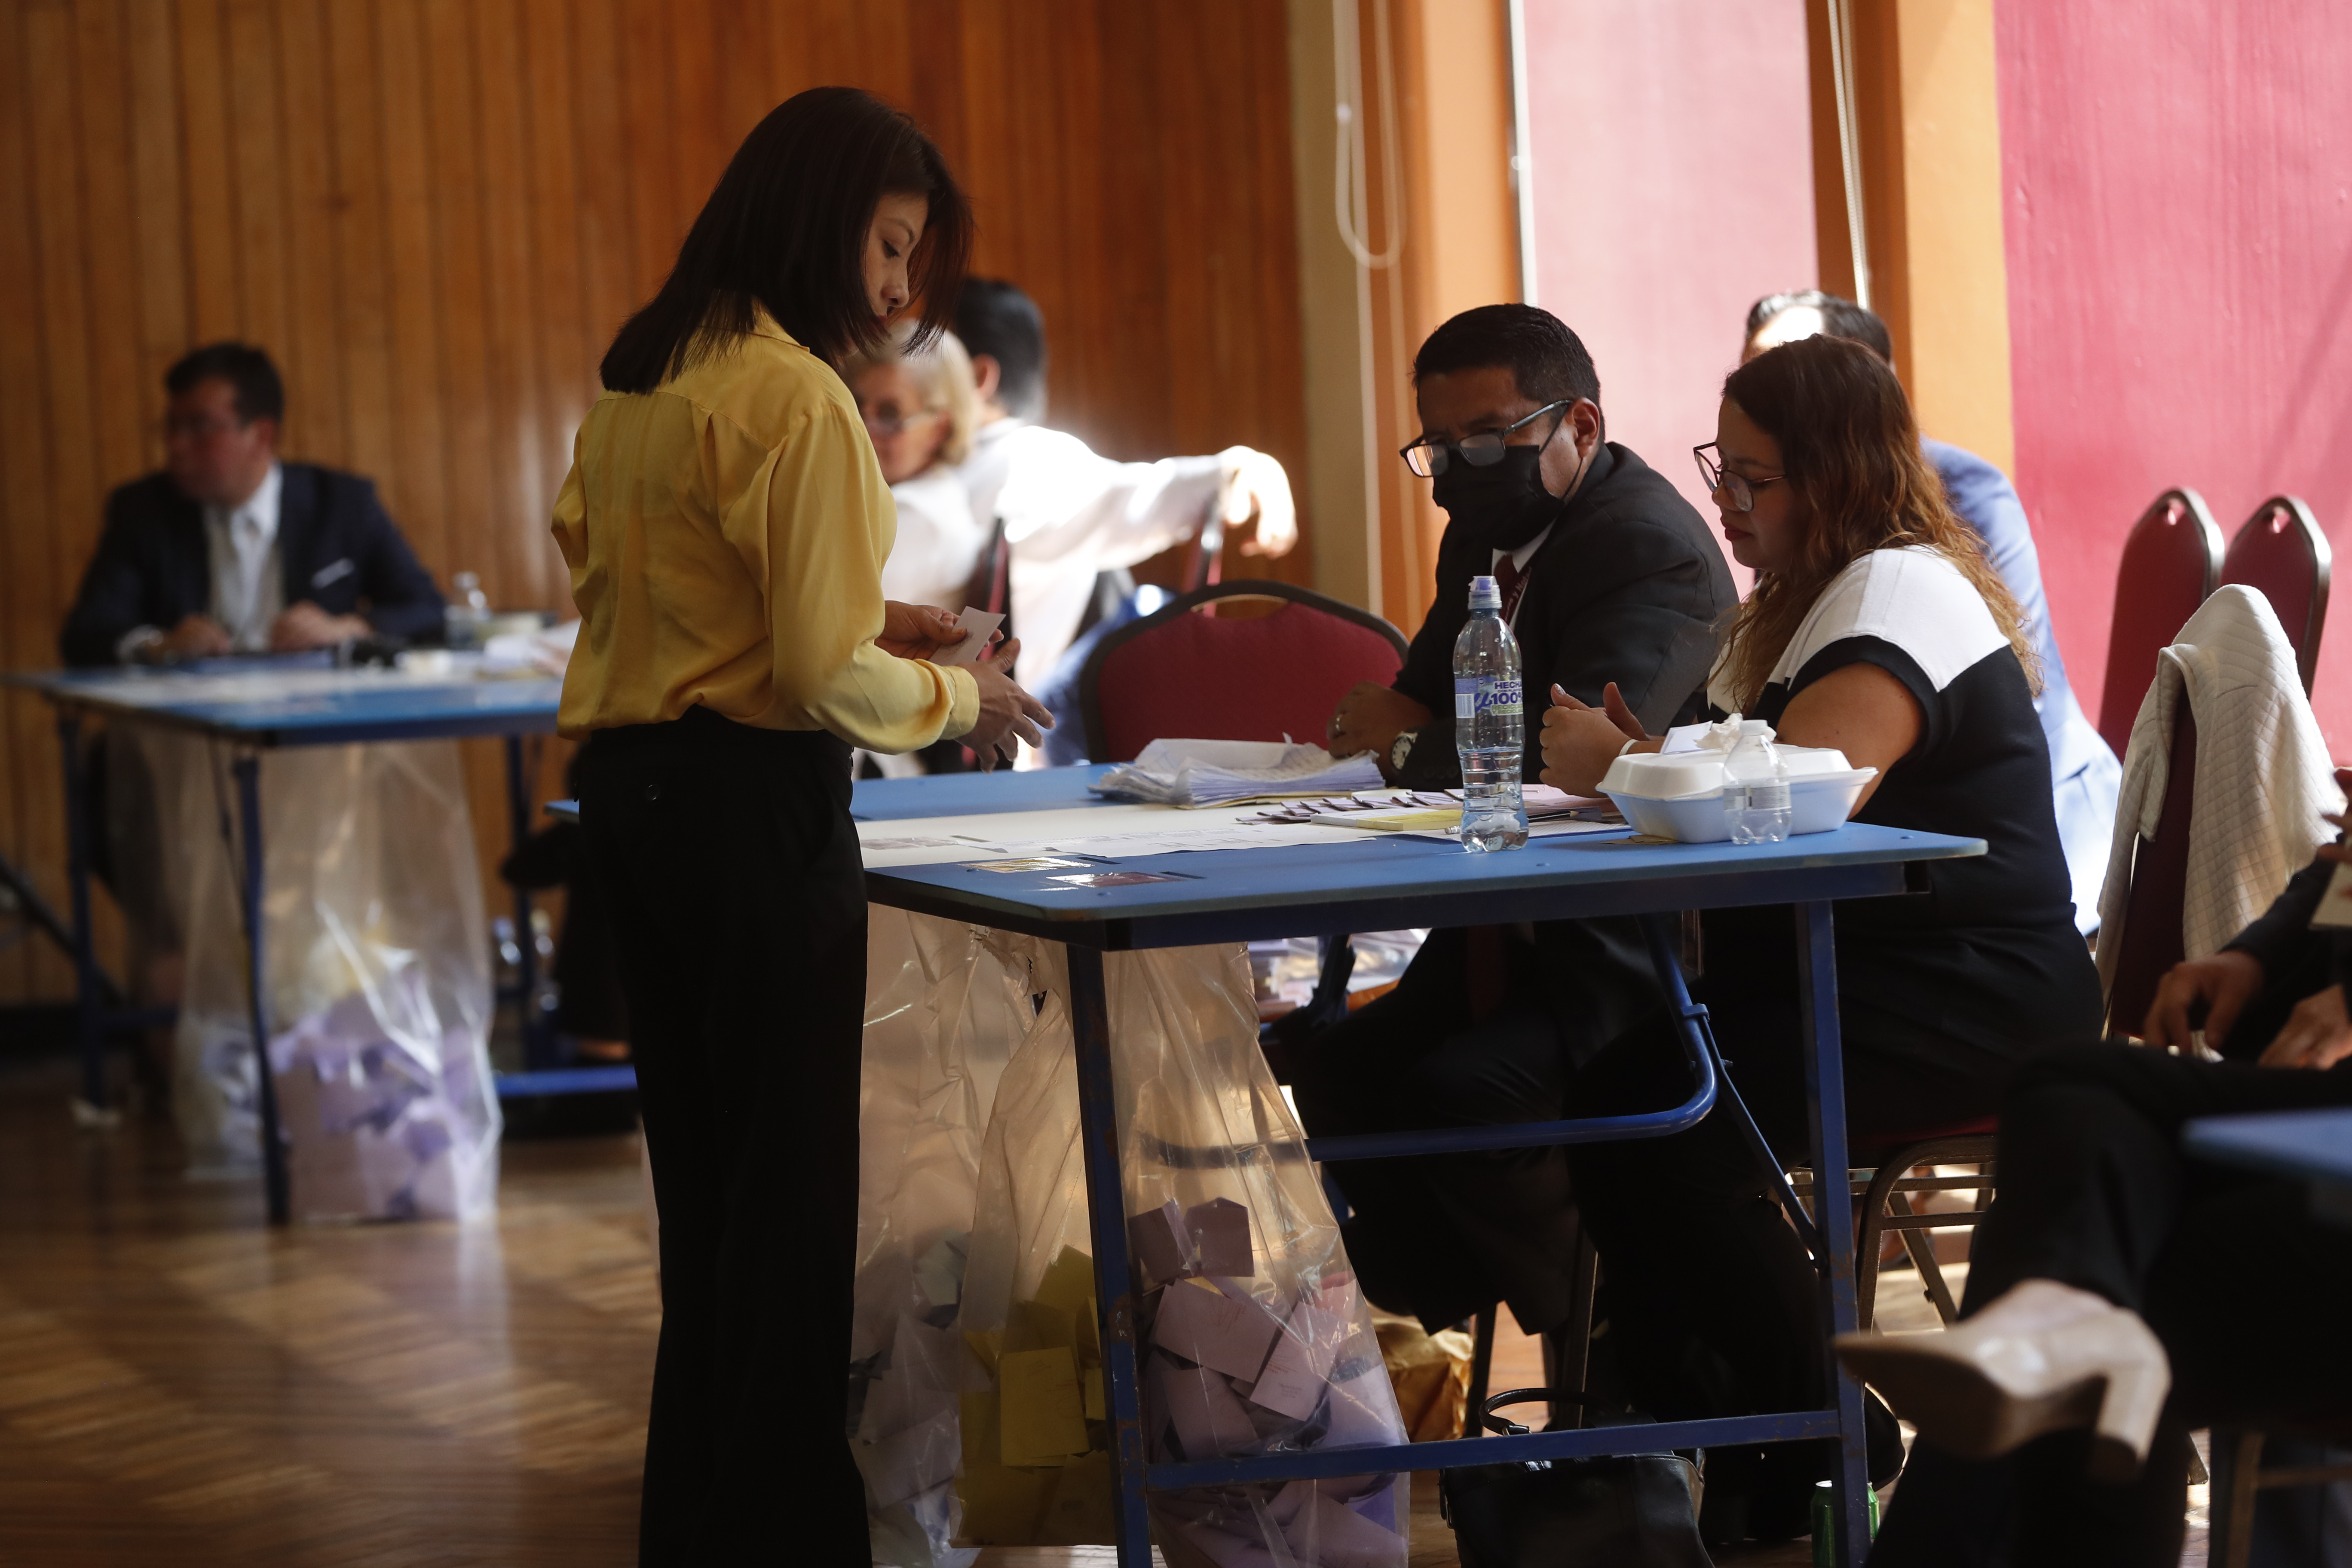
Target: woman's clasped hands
{"type": "Point", "coordinates": [1580, 741]}
{"type": "Point", "coordinates": [1008, 715]}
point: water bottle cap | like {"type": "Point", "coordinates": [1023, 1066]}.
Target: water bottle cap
{"type": "Point", "coordinates": [1484, 594]}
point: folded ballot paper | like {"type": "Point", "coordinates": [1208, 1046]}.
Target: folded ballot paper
{"type": "Point", "coordinates": [1251, 1335]}
{"type": "Point", "coordinates": [1225, 773]}
{"type": "Point", "coordinates": [385, 1123]}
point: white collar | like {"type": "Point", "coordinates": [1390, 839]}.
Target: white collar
{"type": "Point", "coordinates": [261, 508]}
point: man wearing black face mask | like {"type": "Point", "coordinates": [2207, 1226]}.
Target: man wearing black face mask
{"type": "Point", "coordinates": [1610, 568]}
{"type": "Point", "coordinates": [1606, 574]}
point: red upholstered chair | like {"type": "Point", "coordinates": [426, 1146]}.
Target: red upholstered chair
{"type": "Point", "coordinates": [2171, 559]}
{"type": "Point", "coordinates": [2160, 888]}
{"type": "Point", "coordinates": [1185, 672]}
{"type": "Point", "coordinates": [2279, 552]}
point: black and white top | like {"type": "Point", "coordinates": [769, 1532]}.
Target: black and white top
{"type": "Point", "coordinates": [1987, 958]}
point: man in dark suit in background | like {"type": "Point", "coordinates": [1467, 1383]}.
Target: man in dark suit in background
{"type": "Point", "coordinates": [1606, 573]}
{"type": "Point", "coordinates": [230, 551]}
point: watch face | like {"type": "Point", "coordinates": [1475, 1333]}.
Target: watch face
{"type": "Point", "coordinates": [1401, 747]}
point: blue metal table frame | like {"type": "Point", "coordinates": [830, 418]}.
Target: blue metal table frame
{"type": "Point", "coordinates": [1385, 883]}
{"type": "Point", "coordinates": [357, 708]}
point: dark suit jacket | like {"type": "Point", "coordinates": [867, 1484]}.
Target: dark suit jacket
{"type": "Point", "coordinates": [2296, 960]}
{"type": "Point", "coordinates": [339, 549]}
{"type": "Point", "coordinates": [1628, 587]}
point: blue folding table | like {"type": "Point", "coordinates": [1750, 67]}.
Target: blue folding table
{"type": "Point", "coordinates": [330, 708]}
{"type": "Point", "coordinates": [1383, 883]}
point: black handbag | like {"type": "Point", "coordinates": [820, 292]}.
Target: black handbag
{"type": "Point", "coordinates": [1638, 1510]}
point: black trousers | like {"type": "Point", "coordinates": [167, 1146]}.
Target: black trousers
{"type": "Point", "coordinates": [1713, 1302]}
{"type": "Point", "coordinates": [1442, 1236]}
{"type": "Point", "coordinates": [2241, 1283]}
{"type": "Point", "coordinates": [738, 906]}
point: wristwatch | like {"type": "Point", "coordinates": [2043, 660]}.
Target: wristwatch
{"type": "Point", "coordinates": [1400, 747]}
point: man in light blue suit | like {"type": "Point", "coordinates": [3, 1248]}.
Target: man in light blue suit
{"type": "Point", "coordinates": [2083, 774]}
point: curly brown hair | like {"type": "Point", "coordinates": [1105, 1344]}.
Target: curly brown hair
{"type": "Point", "coordinates": [1851, 453]}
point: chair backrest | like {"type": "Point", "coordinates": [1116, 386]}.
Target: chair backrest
{"type": "Point", "coordinates": [2280, 553]}
{"type": "Point", "coordinates": [2160, 888]}
{"type": "Point", "coordinates": [2172, 561]}
{"type": "Point", "coordinates": [1202, 676]}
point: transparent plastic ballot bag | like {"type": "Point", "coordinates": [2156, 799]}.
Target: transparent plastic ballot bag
{"type": "Point", "coordinates": [947, 1004]}
{"type": "Point", "coordinates": [1252, 1336]}
{"type": "Point", "coordinates": [378, 973]}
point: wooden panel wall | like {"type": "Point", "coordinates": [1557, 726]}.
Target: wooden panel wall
{"type": "Point", "coordinates": [434, 213]}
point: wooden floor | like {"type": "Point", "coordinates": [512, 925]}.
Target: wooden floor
{"type": "Point", "coordinates": [181, 1387]}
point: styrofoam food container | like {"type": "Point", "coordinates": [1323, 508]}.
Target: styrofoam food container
{"type": "Point", "coordinates": [1679, 795]}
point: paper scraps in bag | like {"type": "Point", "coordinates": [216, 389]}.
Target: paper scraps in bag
{"type": "Point", "coordinates": [1044, 1410]}
{"type": "Point", "coordinates": [1202, 1324]}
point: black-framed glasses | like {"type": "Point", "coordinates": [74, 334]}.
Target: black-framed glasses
{"type": "Point", "coordinates": [1738, 489]}
{"type": "Point", "coordinates": [1429, 457]}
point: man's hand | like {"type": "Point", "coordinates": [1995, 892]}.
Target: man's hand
{"type": "Point", "coordinates": [2317, 1035]}
{"type": "Point", "coordinates": [1008, 715]}
{"type": "Point", "coordinates": [1580, 741]}
{"type": "Point", "coordinates": [197, 636]}
{"type": "Point", "coordinates": [304, 626]}
{"type": "Point", "coordinates": [1257, 490]}
{"type": "Point", "coordinates": [1371, 718]}
{"type": "Point", "coordinates": [919, 631]}
{"type": "Point", "coordinates": [2225, 982]}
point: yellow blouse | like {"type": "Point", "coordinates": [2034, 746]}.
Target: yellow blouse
{"type": "Point", "coordinates": [725, 534]}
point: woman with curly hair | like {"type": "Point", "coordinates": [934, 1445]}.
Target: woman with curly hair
{"type": "Point", "coordinates": [1877, 628]}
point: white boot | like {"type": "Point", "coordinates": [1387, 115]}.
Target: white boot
{"type": "Point", "coordinates": [2044, 1358]}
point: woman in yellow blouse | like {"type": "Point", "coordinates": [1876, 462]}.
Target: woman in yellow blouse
{"type": "Point", "coordinates": [725, 523]}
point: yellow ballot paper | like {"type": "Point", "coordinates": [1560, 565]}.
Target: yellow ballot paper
{"type": "Point", "coordinates": [1001, 1506]}
{"type": "Point", "coordinates": [1079, 1513]}
{"type": "Point", "coordinates": [1045, 1416]}
{"type": "Point", "coordinates": [1098, 1407]}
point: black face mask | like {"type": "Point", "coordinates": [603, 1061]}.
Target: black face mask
{"type": "Point", "coordinates": [1503, 505]}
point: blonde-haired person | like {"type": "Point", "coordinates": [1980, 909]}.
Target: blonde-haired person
{"type": "Point", "coordinates": [1876, 626]}
{"type": "Point", "coordinates": [921, 407]}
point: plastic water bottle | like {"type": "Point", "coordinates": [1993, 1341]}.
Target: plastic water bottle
{"type": "Point", "coordinates": [1489, 729]}
{"type": "Point", "coordinates": [468, 612]}
{"type": "Point", "coordinates": [1756, 787]}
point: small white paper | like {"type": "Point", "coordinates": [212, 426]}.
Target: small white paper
{"type": "Point", "coordinates": [2336, 904]}
{"type": "Point", "coordinates": [982, 626]}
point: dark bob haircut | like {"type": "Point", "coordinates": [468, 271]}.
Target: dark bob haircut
{"type": "Point", "coordinates": [1841, 318]}
{"type": "Point", "coordinates": [1548, 360]}
{"type": "Point", "coordinates": [997, 318]}
{"type": "Point", "coordinates": [259, 394]}
{"type": "Point", "coordinates": [785, 229]}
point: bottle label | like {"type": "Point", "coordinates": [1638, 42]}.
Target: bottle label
{"type": "Point", "coordinates": [1486, 694]}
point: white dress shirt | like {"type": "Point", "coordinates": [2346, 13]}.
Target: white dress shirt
{"type": "Point", "coordinates": [248, 583]}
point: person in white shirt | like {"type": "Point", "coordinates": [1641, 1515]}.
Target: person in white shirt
{"type": "Point", "coordinates": [1069, 514]}
{"type": "Point", "coordinates": [921, 407]}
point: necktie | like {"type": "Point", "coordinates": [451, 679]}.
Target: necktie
{"type": "Point", "coordinates": [1510, 582]}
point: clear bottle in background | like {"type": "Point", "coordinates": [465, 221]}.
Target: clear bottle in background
{"type": "Point", "coordinates": [468, 612]}
{"type": "Point", "coordinates": [1489, 728]}
{"type": "Point", "coordinates": [1756, 787]}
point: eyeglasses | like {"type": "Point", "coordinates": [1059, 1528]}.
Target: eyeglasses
{"type": "Point", "coordinates": [1430, 457]}
{"type": "Point", "coordinates": [882, 424]}
{"type": "Point", "coordinates": [1738, 489]}
{"type": "Point", "coordinates": [203, 426]}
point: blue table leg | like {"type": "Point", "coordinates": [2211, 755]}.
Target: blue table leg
{"type": "Point", "coordinates": [247, 769]}
{"type": "Point", "coordinates": [538, 1045]}
{"type": "Point", "coordinates": [89, 1033]}
{"type": "Point", "coordinates": [1107, 1214]}
{"type": "Point", "coordinates": [1833, 1211]}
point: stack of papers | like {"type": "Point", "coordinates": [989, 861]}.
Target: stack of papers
{"type": "Point", "coordinates": [1223, 773]}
